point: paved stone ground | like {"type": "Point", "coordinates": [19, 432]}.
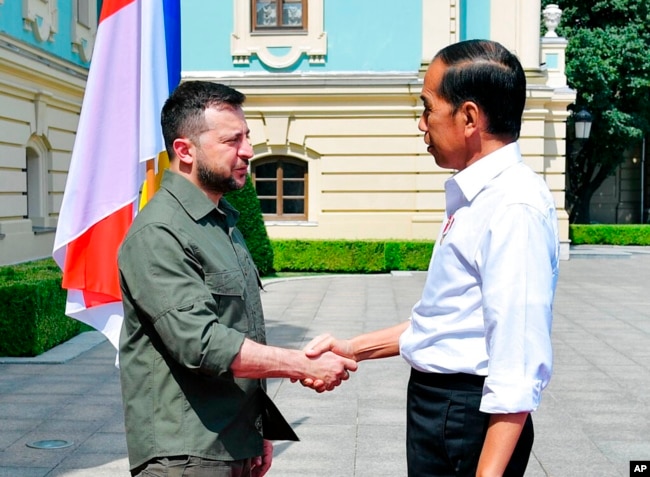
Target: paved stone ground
{"type": "Point", "coordinates": [594, 417]}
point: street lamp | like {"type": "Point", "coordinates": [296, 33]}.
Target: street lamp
{"type": "Point", "coordinates": [582, 121]}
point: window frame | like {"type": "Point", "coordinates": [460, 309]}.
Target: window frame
{"type": "Point", "coordinates": [279, 197]}
{"type": "Point", "coordinates": [279, 27]}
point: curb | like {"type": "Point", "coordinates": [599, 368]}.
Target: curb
{"type": "Point", "coordinates": [64, 352]}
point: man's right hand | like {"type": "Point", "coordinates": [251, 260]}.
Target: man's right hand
{"type": "Point", "coordinates": [324, 345]}
{"type": "Point", "coordinates": [327, 370]}
{"type": "Point", "coordinates": [378, 344]}
{"type": "Point", "coordinates": [327, 342]}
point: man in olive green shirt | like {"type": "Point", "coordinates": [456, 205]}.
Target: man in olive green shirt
{"type": "Point", "coordinates": [193, 354]}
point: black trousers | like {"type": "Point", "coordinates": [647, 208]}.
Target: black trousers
{"type": "Point", "coordinates": [445, 429]}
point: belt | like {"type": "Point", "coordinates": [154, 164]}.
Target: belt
{"type": "Point", "coordinates": [459, 381]}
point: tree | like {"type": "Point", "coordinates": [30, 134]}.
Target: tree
{"type": "Point", "coordinates": [608, 64]}
{"type": "Point", "coordinates": [251, 225]}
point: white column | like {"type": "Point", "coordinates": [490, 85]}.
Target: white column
{"type": "Point", "coordinates": [439, 27]}
{"type": "Point", "coordinates": [528, 33]}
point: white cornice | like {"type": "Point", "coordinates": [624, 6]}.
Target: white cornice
{"type": "Point", "coordinates": [28, 57]}
{"type": "Point", "coordinates": [364, 78]}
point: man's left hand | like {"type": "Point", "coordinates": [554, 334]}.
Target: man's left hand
{"type": "Point", "coordinates": [261, 464]}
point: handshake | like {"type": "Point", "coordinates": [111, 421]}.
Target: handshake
{"type": "Point", "coordinates": [344, 355]}
{"type": "Point", "coordinates": [323, 364]}
{"type": "Point", "coordinates": [332, 361]}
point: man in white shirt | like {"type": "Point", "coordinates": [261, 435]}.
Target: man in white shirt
{"type": "Point", "coordinates": [479, 339]}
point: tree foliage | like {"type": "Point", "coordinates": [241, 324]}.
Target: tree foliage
{"type": "Point", "coordinates": [608, 64]}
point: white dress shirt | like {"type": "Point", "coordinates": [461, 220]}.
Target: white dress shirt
{"type": "Point", "coordinates": [486, 307]}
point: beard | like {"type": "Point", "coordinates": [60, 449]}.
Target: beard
{"type": "Point", "coordinates": [212, 181]}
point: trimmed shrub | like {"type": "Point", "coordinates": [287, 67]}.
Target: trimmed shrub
{"type": "Point", "coordinates": [358, 256]}
{"type": "Point", "coordinates": [599, 234]}
{"type": "Point", "coordinates": [33, 318]}
{"type": "Point", "coordinates": [251, 225]}
{"type": "Point", "coordinates": [408, 255]}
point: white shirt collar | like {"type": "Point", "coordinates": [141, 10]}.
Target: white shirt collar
{"type": "Point", "coordinates": [471, 180]}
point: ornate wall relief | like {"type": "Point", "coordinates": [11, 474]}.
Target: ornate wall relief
{"type": "Point", "coordinates": [291, 44]}
{"type": "Point", "coordinates": [84, 28]}
{"type": "Point", "coordinates": [42, 18]}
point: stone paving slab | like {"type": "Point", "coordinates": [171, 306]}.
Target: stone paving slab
{"type": "Point", "coordinates": [594, 417]}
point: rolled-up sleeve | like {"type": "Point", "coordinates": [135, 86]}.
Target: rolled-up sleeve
{"type": "Point", "coordinates": [518, 261]}
{"type": "Point", "coordinates": [190, 319]}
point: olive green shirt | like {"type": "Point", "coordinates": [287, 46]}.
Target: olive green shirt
{"type": "Point", "coordinates": [191, 294]}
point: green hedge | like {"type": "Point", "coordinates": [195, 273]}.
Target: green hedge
{"type": "Point", "coordinates": [359, 256]}
{"type": "Point", "coordinates": [33, 318]}
{"type": "Point", "coordinates": [592, 234]}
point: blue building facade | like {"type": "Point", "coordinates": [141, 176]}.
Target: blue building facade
{"type": "Point", "coordinates": [393, 41]}
{"type": "Point", "coordinates": [333, 103]}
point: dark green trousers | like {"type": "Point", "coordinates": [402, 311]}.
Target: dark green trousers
{"type": "Point", "coordinates": [188, 466]}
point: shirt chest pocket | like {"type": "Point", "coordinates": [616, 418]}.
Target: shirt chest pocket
{"type": "Point", "coordinates": [227, 289]}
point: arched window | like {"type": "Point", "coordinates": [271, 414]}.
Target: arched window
{"type": "Point", "coordinates": [281, 185]}
{"type": "Point", "coordinates": [36, 182]}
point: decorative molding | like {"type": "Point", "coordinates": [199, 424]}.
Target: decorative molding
{"type": "Point", "coordinates": [42, 18]}
{"type": "Point", "coordinates": [244, 44]}
{"type": "Point", "coordinates": [41, 101]}
{"type": "Point", "coordinates": [84, 29]}
{"type": "Point", "coordinates": [16, 57]}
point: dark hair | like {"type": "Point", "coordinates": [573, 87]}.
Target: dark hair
{"type": "Point", "coordinates": [486, 73]}
{"type": "Point", "coordinates": [183, 114]}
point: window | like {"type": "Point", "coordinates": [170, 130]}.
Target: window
{"type": "Point", "coordinates": [274, 40]}
{"type": "Point", "coordinates": [37, 179]}
{"type": "Point", "coordinates": [279, 15]}
{"type": "Point", "coordinates": [281, 184]}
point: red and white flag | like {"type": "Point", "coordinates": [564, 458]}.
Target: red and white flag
{"type": "Point", "coordinates": [135, 65]}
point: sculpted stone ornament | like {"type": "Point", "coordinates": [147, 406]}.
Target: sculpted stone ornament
{"type": "Point", "coordinates": [41, 17]}
{"type": "Point", "coordinates": [552, 14]}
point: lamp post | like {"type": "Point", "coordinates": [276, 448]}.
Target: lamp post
{"type": "Point", "coordinates": [582, 121]}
